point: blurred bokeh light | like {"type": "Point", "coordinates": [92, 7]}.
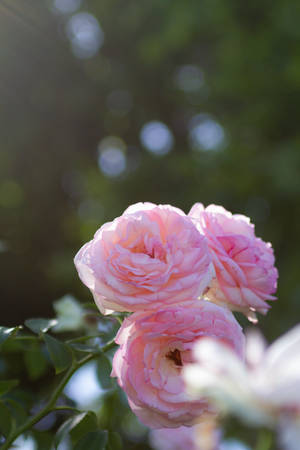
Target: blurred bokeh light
{"type": "Point", "coordinates": [84, 387]}
{"type": "Point", "coordinates": [111, 159]}
{"type": "Point", "coordinates": [104, 105]}
{"type": "Point", "coordinates": [85, 34]}
{"type": "Point", "coordinates": [189, 78]}
{"type": "Point", "coordinates": [205, 133]}
{"type": "Point", "coordinates": [66, 6]}
{"type": "Point", "coordinates": [157, 137]}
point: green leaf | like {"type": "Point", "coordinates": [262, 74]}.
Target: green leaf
{"type": "Point", "coordinates": [84, 348]}
{"type": "Point", "coordinates": [5, 420]}
{"type": "Point", "coordinates": [7, 385]}
{"type": "Point", "coordinates": [26, 337]}
{"type": "Point", "coordinates": [103, 371]}
{"type": "Point", "coordinates": [96, 440]}
{"type": "Point", "coordinates": [5, 333]}
{"type": "Point", "coordinates": [17, 411]}
{"type": "Point", "coordinates": [87, 423]}
{"type": "Point", "coordinates": [40, 325]}
{"type": "Point", "coordinates": [60, 353]}
{"type": "Point", "coordinates": [111, 410]}
{"type": "Point", "coordinates": [43, 439]}
{"type": "Point", "coordinates": [77, 426]}
{"type": "Point", "coordinates": [114, 441]}
{"type": "Point", "coordinates": [264, 440]}
{"type": "Point", "coordinates": [35, 361]}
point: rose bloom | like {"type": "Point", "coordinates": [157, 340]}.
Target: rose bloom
{"type": "Point", "coordinates": [155, 346]}
{"type": "Point", "coordinates": [150, 256]}
{"type": "Point", "coordinates": [244, 264]}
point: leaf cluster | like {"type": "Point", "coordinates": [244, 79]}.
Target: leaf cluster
{"type": "Point", "coordinates": [36, 365]}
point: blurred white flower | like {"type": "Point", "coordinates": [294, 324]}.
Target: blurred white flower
{"type": "Point", "coordinates": [173, 438]}
{"type": "Point", "coordinates": [203, 436]}
{"type": "Point", "coordinates": [233, 444]}
{"type": "Point", "coordinates": [289, 433]}
{"type": "Point", "coordinates": [263, 391]}
{"type": "Point", "coordinates": [69, 314]}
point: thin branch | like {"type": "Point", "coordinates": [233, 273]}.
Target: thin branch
{"type": "Point", "coordinates": [50, 406]}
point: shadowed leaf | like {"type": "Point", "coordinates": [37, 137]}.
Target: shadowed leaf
{"type": "Point", "coordinates": [93, 441]}
{"type": "Point", "coordinates": [40, 325]}
{"type": "Point", "coordinates": [60, 353]}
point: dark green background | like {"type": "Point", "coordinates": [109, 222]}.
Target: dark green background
{"type": "Point", "coordinates": [54, 111]}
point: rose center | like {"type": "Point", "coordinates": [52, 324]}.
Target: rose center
{"type": "Point", "coordinates": [175, 356]}
{"type": "Point", "coordinates": [152, 247]}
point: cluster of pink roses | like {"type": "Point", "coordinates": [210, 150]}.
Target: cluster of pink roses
{"type": "Point", "coordinates": [175, 273]}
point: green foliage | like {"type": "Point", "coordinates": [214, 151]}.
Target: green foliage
{"type": "Point", "coordinates": [76, 427]}
{"type": "Point", "coordinates": [39, 326]}
{"type": "Point", "coordinates": [21, 407]}
{"type": "Point", "coordinates": [5, 420]}
{"type": "Point", "coordinates": [114, 441]}
{"type": "Point", "coordinates": [35, 361]}
{"type": "Point", "coordinates": [94, 441]}
{"type": "Point", "coordinates": [103, 371]}
{"type": "Point", "coordinates": [43, 439]}
{"type": "Point", "coordinates": [60, 353]}
{"type": "Point", "coordinates": [265, 440]}
{"type": "Point", "coordinates": [112, 410]}
{"type": "Point", "coordinates": [6, 333]}
{"type": "Point", "coordinates": [17, 409]}
{"type": "Point", "coordinates": [7, 385]}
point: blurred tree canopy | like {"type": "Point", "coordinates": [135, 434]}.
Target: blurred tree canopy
{"type": "Point", "coordinates": [106, 103]}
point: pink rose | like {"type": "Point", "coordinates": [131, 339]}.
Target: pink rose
{"type": "Point", "coordinates": [244, 264]}
{"type": "Point", "coordinates": [154, 347]}
{"type": "Point", "coordinates": [150, 256]}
